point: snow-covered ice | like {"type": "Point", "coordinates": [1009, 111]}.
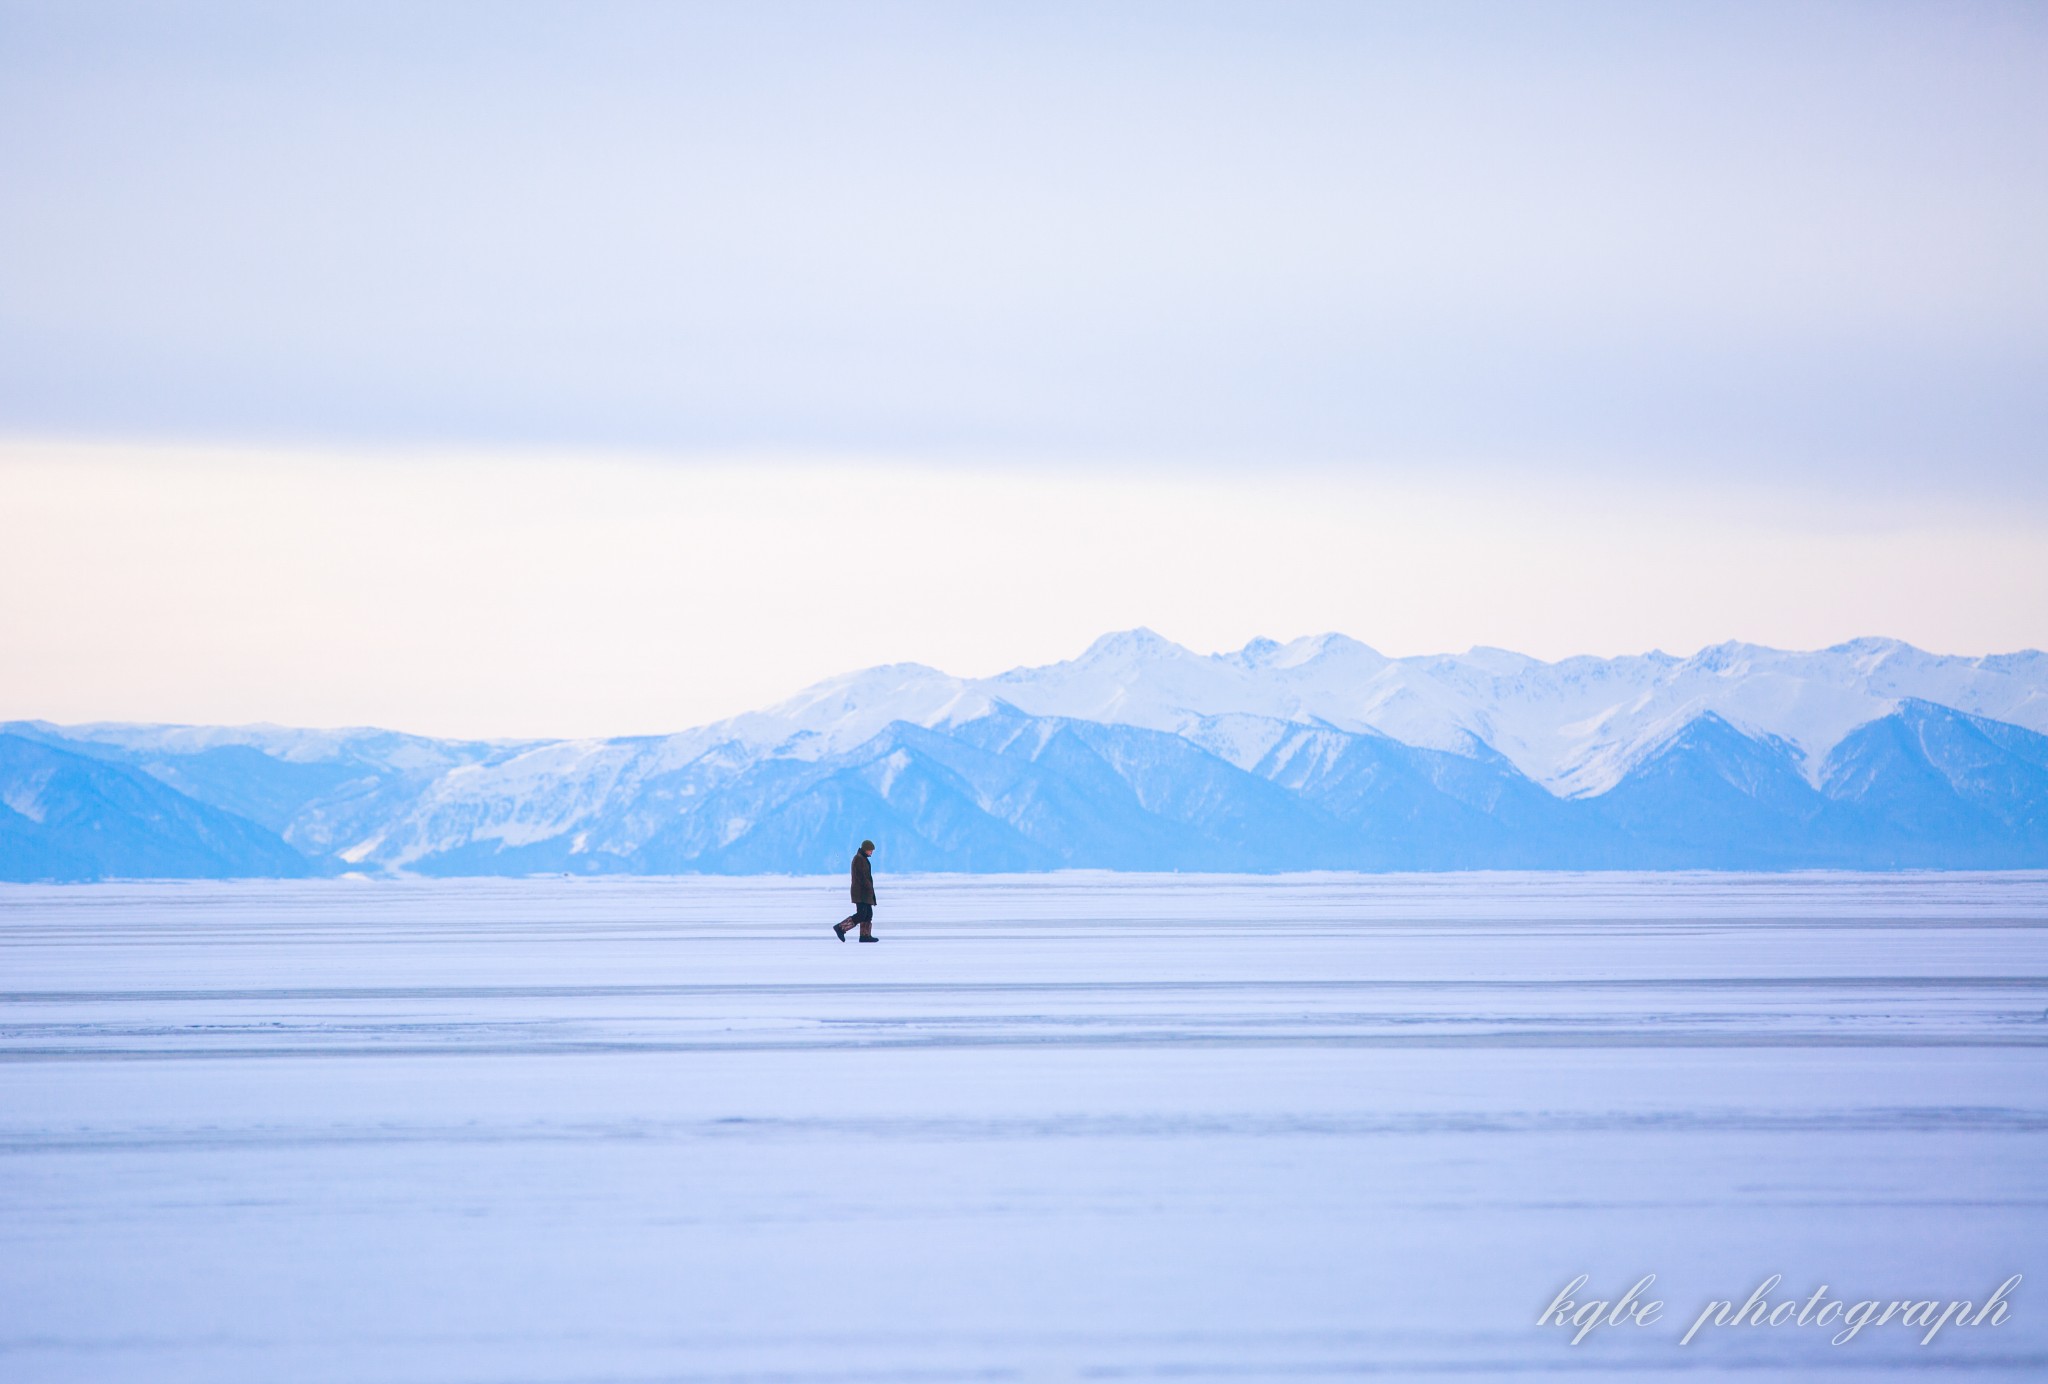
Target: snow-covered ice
{"type": "Point", "coordinates": [1065, 1126]}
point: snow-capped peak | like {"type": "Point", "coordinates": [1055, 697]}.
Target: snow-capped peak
{"type": "Point", "coordinates": [841, 712]}
{"type": "Point", "coordinates": [1257, 653]}
{"type": "Point", "coordinates": [1125, 645]}
{"type": "Point", "coordinates": [1575, 726]}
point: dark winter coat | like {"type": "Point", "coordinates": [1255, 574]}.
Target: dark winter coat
{"type": "Point", "coordinates": [863, 879]}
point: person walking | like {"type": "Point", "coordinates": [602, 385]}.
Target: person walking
{"type": "Point", "coordinates": [863, 896]}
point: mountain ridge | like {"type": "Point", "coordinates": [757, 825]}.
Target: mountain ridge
{"type": "Point", "coordinates": [1139, 753]}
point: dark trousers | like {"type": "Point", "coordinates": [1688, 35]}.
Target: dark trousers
{"type": "Point", "coordinates": [864, 914]}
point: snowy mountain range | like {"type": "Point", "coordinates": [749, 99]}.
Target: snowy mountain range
{"type": "Point", "coordinates": [1139, 754]}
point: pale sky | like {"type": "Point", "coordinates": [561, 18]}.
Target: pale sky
{"type": "Point", "coordinates": [517, 369]}
{"type": "Point", "coordinates": [495, 594]}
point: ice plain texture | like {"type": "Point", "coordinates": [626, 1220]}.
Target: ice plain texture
{"type": "Point", "coordinates": [1073, 1126]}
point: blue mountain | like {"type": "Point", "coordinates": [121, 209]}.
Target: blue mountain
{"type": "Point", "coordinates": [1931, 787]}
{"type": "Point", "coordinates": [69, 816]}
{"type": "Point", "coordinates": [955, 776]}
{"type": "Point", "coordinates": [1714, 798]}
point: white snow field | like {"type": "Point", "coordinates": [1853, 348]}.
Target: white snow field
{"type": "Point", "coordinates": [1073, 1126]}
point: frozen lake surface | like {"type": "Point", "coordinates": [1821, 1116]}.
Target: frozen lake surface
{"type": "Point", "coordinates": [1062, 1127]}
